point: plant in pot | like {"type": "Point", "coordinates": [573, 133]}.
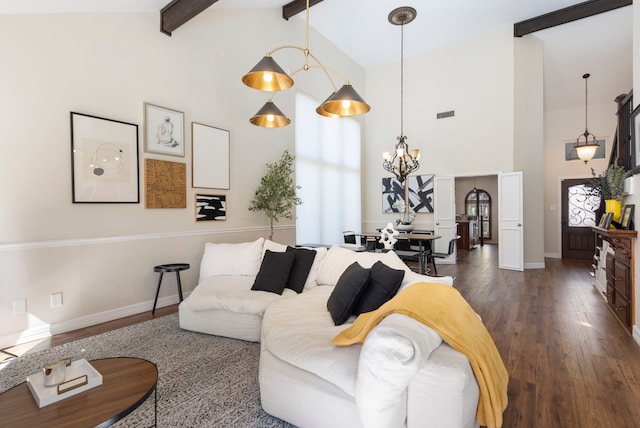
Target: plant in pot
{"type": "Point", "coordinates": [276, 194]}
{"type": "Point", "coordinates": [610, 187]}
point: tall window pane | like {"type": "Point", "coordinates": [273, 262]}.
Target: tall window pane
{"type": "Point", "coordinates": [328, 171]}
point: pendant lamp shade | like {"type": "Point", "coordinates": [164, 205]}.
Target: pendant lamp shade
{"type": "Point", "coordinates": [322, 112]}
{"type": "Point", "coordinates": [270, 116]}
{"type": "Point", "coordinates": [267, 75]}
{"type": "Point", "coordinates": [345, 102]}
{"type": "Point", "coordinates": [586, 151]}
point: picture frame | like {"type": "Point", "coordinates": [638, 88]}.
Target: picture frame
{"type": "Point", "coordinates": [163, 130]}
{"type": "Point", "coordinates": [210, 207]}
{"type": "Point", "coordinates": [165, 184]}
{"type": "Point", "coordinates": [608, 219]}
{"type": "Point", "coordinates": [603, 220]}
{"type": "Point", "coordinates": [209, 157]}
{"type": "Point", "coordinates": [420, 194]}
{"type": "Point", "coordinates": [104, 160]}
{"type": "Point", "coordinates": [635, 138]}
{"type": "Point", "coordinates": [627, 217]}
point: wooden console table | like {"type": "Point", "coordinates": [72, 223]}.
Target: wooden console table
{"type": "Point", "coordinates": [620, 290]}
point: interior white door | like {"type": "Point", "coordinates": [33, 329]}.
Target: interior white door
{"type": "Point", "coordinates": [444, 214]}
{"type": "Point", "coordinates": [510, 240]}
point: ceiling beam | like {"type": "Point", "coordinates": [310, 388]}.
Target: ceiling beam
{"type": "Point", "coordinates": [296, 6]}
{"type": "Point", "coordinates": [178, 12]}
{"type": "Point", "coordinates": [568, 14]}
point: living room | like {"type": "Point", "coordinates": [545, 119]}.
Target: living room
{"type": "Point", "coordinates": [99, 257]}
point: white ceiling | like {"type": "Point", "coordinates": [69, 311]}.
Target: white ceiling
{"type": "Point", "coordinates": [600, 45]}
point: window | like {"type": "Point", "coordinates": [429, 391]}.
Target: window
{"type": "Point", "coordinates": [328, 170]}
{"type": "Point", "coordinates": [582, 204]}
{"type": "Point", "coordinates": [478, 203]}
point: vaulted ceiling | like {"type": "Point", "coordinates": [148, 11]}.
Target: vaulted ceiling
{"type": "Point", "coordinates": [600, 44]}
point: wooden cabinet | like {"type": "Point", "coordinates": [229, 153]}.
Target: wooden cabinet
{"type": "Point", "coordinates": [619, 272]}
{"type": "Point", "coordinates": [469, 234]}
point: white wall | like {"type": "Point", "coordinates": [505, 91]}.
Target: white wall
{"type": "Point", "coordinates": [101, 256]}
{"type": "Point", "coordinates": [560, 127]}
{"type": "Point", "coordinates": [528, 142]}
{"type": "Point", "coordinates": [474, 78]}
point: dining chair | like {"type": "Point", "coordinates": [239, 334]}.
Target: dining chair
{"type": "Point", "coordinates": [349, 236]}
{"type": "Point", "coordinates": [433, 255]}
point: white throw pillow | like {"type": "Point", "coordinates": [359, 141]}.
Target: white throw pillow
{"type": "Point", "coordinates": [391, 355]}
{"type": "Point", "coordinates": [276, 247]}
{"type": "Point", "coordinates": [241, 259]}
{"type": "Point", "coordinates": [339, 258]}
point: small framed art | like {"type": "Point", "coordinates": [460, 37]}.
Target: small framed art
{"type": "Point", "coordinates": [104, 160]}
{"type": "Point", "coordinates": [627, 217]}
{"type": "Point", "coordinates": [163, 130]}
{"type": "Point", "coordinates": [608, 218]}
{"type": "Point", "coordinates": [211, 207]}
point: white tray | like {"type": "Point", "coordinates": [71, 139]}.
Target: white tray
{"type": "Point", "coordinates": [74, 383]}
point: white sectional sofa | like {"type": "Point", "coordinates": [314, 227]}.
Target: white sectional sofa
{"type": "Point", "coordinates": [402, 376]}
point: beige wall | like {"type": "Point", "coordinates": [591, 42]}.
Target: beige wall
{"type": "Point", "coordinates": [563, 126]}
{"type": "Point", "coordinates": [473, 77]}
{"type": "Point", "coordinates": [101, 256]}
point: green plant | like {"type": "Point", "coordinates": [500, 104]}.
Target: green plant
{"type": "Point", "coordinates": [609, 184]}
{"type": "Point", "coordinates": [276, 194]}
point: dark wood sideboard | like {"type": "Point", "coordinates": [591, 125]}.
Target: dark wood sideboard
{"type": "Point", "coordinates": [619, 270]}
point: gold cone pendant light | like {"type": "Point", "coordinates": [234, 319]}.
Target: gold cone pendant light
{"type": "Point", "coordinates": [587, 150]}
{"type": "Point", "coordinates": [407, 159]}
{"type": "Point", "coordinates": [267, 75]}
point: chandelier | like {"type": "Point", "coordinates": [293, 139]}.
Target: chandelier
{"type": "Point", "coordinates": [587, 150]}
{"type": "Point", "coordinates": [267, 75]}
{"type": "Point", "coordinates": [407, 160]}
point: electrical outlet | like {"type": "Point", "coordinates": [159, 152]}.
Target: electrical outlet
{"type": "Point", "coordinates": [19, 306]}
{"type": "Point", "coordinates": [56, 300]}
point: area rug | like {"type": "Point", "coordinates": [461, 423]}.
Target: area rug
{"type": "Point", "coordinates": [203, 380]}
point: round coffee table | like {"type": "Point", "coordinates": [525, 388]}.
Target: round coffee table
{"type": "Point", "coordinates": [126, 383]}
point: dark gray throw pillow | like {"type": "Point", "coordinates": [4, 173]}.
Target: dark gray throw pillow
{"type": "Point", "coordinates": [347, 291]}
{"type": "Point", "coordinates": [301, 268]}
{"type": "Point", "coordinates": [274, 271]}
{"type": "Point", "coordinates": [383, 285]}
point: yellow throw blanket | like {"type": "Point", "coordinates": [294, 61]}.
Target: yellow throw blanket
{"type": "Point", "coordinates": [442, 308]}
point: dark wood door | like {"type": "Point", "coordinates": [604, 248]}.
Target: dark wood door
{"type": "Point", "coordinates": [578, 215]}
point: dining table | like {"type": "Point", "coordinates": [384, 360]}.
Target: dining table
{"type": "Point", "coordinates": [422, 237]}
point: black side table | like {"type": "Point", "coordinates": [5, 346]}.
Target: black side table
{"type": "Point", "coordinates": [173, 267]}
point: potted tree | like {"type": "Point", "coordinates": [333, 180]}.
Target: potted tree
{"type": "Point", "coordinates": [276, 194]}
{"type": "Point", "coordinates": [610, 187]}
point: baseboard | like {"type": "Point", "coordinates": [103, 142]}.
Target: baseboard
{"type": "Point", "coordinates": [636, 334]}
{"type": "Point", "coordinates": [553, 255]}
{"type": "Point", "coordinates": [46, 331]}
{"type": "Point", "coordinates": [534, 265]}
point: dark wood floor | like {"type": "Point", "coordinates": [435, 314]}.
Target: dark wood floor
{"type": "Point", "coordinates": [571, 364]}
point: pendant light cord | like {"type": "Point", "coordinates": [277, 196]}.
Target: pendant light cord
{"type": "Point", "coordinates": [402, 80]}
{"type": "Point", "coordinates": [586, 129]}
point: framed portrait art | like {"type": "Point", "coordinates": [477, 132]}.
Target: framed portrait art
{"type": "Point", "coordinates": [163, 130]}
{"type": "Point", "coordinates": [104, 160]}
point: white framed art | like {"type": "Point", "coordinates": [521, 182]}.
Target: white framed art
{"type": "Point", "coordinates": [209, 157]}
